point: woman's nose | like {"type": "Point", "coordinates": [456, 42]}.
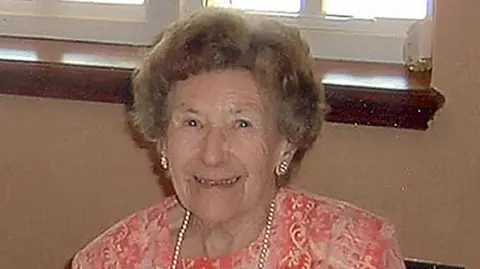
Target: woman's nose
{"type": "Point", "coordinates": [214, 147]}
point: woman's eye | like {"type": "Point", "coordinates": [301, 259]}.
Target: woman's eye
{"type": "Point", "coordinates": [191, 123]}
{"type": "Point", "coordinates": [243, 123]}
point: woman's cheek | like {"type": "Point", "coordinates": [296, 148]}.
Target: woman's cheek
{"type": "Point", "coordinates": [184, 138]}
{"type": "Point", "coordinates": [250, 146]}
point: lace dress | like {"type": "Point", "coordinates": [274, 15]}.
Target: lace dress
{"type": "Point", "coordinates": [308, 232]}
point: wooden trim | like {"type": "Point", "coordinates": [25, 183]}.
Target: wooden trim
{"type": "Point", "coordinates": [357, 93]}
{"type": "Point", "coordinates": [63, 81]}
{"type": "Point", "coordinates": [415, 264]}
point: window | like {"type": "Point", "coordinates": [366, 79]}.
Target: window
{"type": "Point", "coordinates": [110, 21]}
{"type": "Point", "coordinates": [359, 9]}
{"type": "Point", "coordinates": [255, 5]}
{"type": "Point", "coordinates": [118, 2]}
{"type": "Point", "coordinates": [366, 30]}
{"type": "Point", "coordinates": [371, 9]}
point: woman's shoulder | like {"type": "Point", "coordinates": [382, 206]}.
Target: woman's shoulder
{"type": "Point", "coordinates": [132, 234]}
{"type": "Point", "coordinates": [345, 230]}
{"type": "Point", "coordinates": [315, 205]}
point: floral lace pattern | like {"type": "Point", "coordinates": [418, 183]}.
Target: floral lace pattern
{"type": "Point", "coordinates": [309, 232]}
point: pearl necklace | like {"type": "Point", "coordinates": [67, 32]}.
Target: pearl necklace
{"type": "Point", "coordinates": [263, 250]}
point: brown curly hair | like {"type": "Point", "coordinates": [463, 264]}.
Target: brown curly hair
{"type": "Point", "coordinates": [215, 39]}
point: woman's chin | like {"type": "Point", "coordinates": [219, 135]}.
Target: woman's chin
{"type": "Point", "coordinates": [216, 212]}
{"type": "Point", "coordinates": [216, 202]}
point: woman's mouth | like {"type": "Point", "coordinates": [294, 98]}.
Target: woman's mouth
{"type": "Point", "coordinates": [225, 182]}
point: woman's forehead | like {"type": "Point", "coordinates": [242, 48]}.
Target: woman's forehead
{"type": "Point", "coordinates": [232, 90]}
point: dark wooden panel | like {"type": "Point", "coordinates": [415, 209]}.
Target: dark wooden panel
{"type": "Point", "coordinates": [397, 109]}
{"type": "Point", "coordinates": [63, 81]}
{"type": "Point", "coordinates": [411, 264]}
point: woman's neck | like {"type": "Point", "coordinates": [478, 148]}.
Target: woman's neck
{"type": "Point", "coordinates": [221, 239]}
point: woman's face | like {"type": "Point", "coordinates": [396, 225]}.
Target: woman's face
{"type": "Point", "coordinates": [222, 145]}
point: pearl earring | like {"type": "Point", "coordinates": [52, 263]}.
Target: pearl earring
{"type": "Point", "coordinates": [164, 162]}
{"type": "Point", "coordinates": [282, 168]}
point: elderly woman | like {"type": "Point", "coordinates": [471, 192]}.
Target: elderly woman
{"type": "Point", "coordinates": [233, 105]}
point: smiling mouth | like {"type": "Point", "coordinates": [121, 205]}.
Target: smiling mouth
{"type": "Point", "coordinates": [217, 182]}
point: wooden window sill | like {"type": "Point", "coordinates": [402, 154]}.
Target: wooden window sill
{"type": "Point", "coordinates": [357, 93]}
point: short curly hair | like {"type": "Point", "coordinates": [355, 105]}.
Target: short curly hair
{"type": "Point", "coordinates": [217, 39]}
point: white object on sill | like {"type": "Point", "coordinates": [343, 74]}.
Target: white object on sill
{"type": "Point", "coordinates": [417, 50]}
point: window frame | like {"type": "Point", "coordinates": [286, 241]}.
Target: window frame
{"type": "Point", "coordinates": [351, 40]}
{"type": "Point", "coordinates": [92, 22]}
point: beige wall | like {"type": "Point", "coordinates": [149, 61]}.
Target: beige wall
{"type": "Point", "coordinates": [68, 169]}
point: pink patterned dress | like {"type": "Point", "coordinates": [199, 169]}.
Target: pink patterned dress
{"type": "Point", "coordinates": [308, 232]}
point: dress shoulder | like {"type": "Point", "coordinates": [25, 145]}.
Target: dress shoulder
{"type": "Point", "coordinates": [332, 206]}
{"type": "Point", "coordinates": [126, 243]}
{"type": "Point", "coordinates": [344, 235]}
